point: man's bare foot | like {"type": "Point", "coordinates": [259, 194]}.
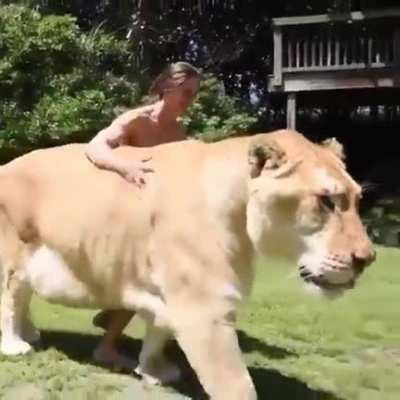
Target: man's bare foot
{"type": "Point", "coordinates": [110, 356]}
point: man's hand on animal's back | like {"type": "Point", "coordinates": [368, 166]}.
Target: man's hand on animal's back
{"type": "Point", "coordinates": [136, 174]}
{"type": "Point", "coordinates": [120, 132]}
{"type": "Point", "coordinates": [147, 126]}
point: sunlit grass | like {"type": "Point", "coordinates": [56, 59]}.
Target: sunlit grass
{"type": "Point", "coordinates": [350, 346]}
{"type": "Point", "coordinates": [297, 346]}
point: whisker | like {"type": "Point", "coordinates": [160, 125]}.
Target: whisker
{"type": "Point", "coordinates": [368, 187]}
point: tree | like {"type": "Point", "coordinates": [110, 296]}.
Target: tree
{"type": "Point", "coordinates": [57, 83]}
{"type": "Point", "coordinates": [60, 84]}
{"type": "Point", "coordinates": [231, 38]}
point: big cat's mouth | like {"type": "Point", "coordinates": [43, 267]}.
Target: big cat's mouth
{"type": "Point", "coordinates": [321, 282]}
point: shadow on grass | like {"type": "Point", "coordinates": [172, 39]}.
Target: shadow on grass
{"type": "Point", "coordinates": [80, 346]}
{"type": "Point", "coordinates": [250, 344]}
{"type": "Point", "coordinates": [270, 384]}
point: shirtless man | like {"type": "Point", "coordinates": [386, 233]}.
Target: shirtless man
{"type": "Point", "coordinates": [146, 126]}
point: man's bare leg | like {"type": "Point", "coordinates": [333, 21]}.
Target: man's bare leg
{"type": "Point", "coordinates": [103, 317]}
{"type": "Point", "coordinates": [106, 351]}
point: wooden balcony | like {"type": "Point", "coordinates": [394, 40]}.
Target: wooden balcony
{"type": "Point", "coordinates": [356, 50]}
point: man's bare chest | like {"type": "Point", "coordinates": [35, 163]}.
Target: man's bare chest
{"type": "Point", "coordinates": [150, 135]}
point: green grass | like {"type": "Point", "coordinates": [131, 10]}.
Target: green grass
{"type": "Point", "coordinates": [297, 347]}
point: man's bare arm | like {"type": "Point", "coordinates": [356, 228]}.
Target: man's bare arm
{"type": "Point", "coordinates": [99, 149]}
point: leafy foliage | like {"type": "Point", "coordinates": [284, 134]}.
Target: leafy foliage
{"type": "Point", "coordinates": [215, 115]}
{"type": "Point", "coordinates": [56, 82]}
{"type": "Point", "coordinates": [59, 84]}
{"type": "Point", "coordinates": [62, 77]}
{"type": "Point", "coordinates": [230, 38]}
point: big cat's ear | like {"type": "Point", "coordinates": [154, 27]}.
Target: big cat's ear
{"type": "Point", "coordinates": [265, 155]}
{"type": "Point", "coordinates": [335, 147]}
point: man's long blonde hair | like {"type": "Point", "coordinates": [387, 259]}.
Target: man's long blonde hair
{"type": "Point", "coordinates": [173, 76]}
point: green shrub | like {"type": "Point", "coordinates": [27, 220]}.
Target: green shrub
{"type": "Point", "coordinates": [56, 83]}
{"type": "Point", "coordinates": [214, 115]}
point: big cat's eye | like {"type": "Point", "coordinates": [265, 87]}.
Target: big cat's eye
{"type": "Point", "coordinates": [327, 202]}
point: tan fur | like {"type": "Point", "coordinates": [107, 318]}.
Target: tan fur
{"type": "Point", "coordinates": [178, 251]}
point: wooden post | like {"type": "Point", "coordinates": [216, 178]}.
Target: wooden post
{"type": "Point", "coordinates": [313, 52]}
{"type": "Point", "coordinates": [370, 43]}
{"type": "Point", "coordinates": [396, 46]}
{"type": "Point", "coordinates": [321, 52]}
{"type": "Point", "coordinates": [291, 111]}
{"type": "Point", "coordinates": [305, 54]}
{"type": "Point", "coordinates": [329, 52]}
{"type": "Point", "coordinates": [297, 53]}
{"type": "Point", "coordinates": [277, 56]}
{"type": "Point", "coordinates": [290, 53]}
{"type": "Point", "coordinates": [337, 52]}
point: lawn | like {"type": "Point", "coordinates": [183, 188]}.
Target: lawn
{"type": "Point", "coordinates": [297, 347]}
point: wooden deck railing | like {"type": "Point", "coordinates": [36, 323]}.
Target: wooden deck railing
{"type": "Point", "coordinates": [347, 42]}
{"type": "Point", "coordinates": [330, 52]}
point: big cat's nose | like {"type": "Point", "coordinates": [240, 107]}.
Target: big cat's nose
{"type": "Point", "coordinates": [363, 258]}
